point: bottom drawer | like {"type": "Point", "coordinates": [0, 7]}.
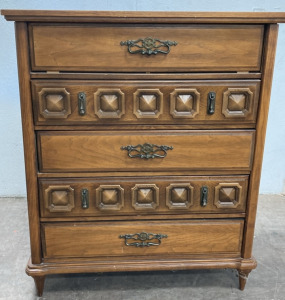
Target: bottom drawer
{"type": "Point", "coordinates": [142, 238]}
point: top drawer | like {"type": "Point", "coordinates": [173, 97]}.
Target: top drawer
{"type": "Point", "coordinates": [98, 47]}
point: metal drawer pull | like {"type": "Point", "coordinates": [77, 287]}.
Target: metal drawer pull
{"type": "Point", "coordinates": [84, 198]}
{"type": "Point", "coordinates": [211, 103]}
{"type": "Point", "coordinates": [81, 104]}
{"type": "Point", "coordinates": [148, 46]}
{"type": "Point", "coordinates": [204, 196]}
{"type": "Point", "coordinates": [147, 151]}
{"type": "Point", "coordinates": [144, 238]}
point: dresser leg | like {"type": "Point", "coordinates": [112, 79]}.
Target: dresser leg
{"type": "Point", "coordinates": [39, 282]}
{"type": "Point", "coordinates": [243, 275]}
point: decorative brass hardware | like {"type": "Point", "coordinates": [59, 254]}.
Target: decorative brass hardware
{"type": "Point", "coordinates": [81, 103]}
{"type": "Point", "coordinates": [147, 150]}
{"type": "Point", "coordinates": [204, 196]}
{"type": "Point", "coordinates": [84, 198]}
{"type": "Point", "coordinates": [148, 46]}
{"type": "Point", "coordinates": [143, 237]}
{"type": "Point", "coordinates": [211, 103]}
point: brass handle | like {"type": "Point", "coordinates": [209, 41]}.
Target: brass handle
{"type": "Point", "coordinates": [204, 196]}
{"type": "Point", "coordinates": [84, 198]}
{"type": "Point", "coordinates": [81, 104]}
{"type": "Point", "coordinates": [147, 150]}
{"type": "Point", "coordinates": [148, 46]}
{"type": "Point", "coordinates": [143, 237]}
{"type": "Point", "coordinates": [211, 103]}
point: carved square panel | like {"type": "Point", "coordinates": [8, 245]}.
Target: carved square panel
{"type": "Point", "coordinates": [228, 195]}
{"type": "Point", "coordinates": [184, 103]}
{"type": "Point", "coordinates": [148, 103]}
{"type": "Point", "coordinates": [145, 196]}
{"type": "Point", "coordinates": [179, 196]}
{"type": "Point", "coordinates": [237, 102]}
{"type": "Point", "coordinates": [59, 198]}
{"type": "Point", "coordinates": [110, 197]}
{"type": "Point", "coordinates": [54, 103]}
{"type": "Point", "coordinates": [109, 103]}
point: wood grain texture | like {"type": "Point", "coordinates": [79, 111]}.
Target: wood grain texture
{"type": "Point", "coordinates": [114, 127]}
{"type": "Point", "coordinates": [183, 237]}
{"type": "Point", "coordinates": [166, 186]}
{"type": "Point", "coordinates": [101, 151]}
{"type": "Point", "coordinates": [142, 16]}
{"type": "Point", "coordinates": [269, 57]}
{"type": "Point", "coordinates": [144, 217]}
{"type": "Point", "coordinates": [169, 91]}
{"type": "Point", "coordinates": [97, 48]}
{"type": "Point", "coordinates": [140, 173]}
{"type": "Point", "coordinates": [28, 140]}
{"type": "Point", "coordinates": [144, 76]}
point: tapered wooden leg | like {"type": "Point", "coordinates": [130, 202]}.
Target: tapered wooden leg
{"type": "Point", "coordinates": [39, 282]}
{"type": "Point", "coordinates": [243, 275]}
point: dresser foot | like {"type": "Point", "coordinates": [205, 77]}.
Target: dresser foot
{"type": "Point", "coordinates": [243, 275]}
{"type": "Point", "coordinates": [39, 282]}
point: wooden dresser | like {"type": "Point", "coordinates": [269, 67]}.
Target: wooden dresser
{"type": "Point", "coordinates": [143, 137]}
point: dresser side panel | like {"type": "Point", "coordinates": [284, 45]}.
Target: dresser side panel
{"type": "Point", "coordinates": [29, 139]}
{"type": "Point", "coordinates": [271, 34]}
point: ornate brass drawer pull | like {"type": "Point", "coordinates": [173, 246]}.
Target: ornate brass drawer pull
{"type": "Point", "coordinates": [143, 237]}
{"type": "Point", "coordinates": [147, 150]}
{"type": "Point", "coordinates": [148, 46]}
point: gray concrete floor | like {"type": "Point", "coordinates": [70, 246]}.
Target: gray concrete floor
{"type": "Point", "coordinates": [267, 282]}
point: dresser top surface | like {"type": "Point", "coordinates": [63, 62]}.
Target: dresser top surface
{"type": "Point", "coordinates": [143, 16]}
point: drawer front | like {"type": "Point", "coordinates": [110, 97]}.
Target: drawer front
{"type": "Point", "coordinates": [145, 102]}
{"type": "Point", "coordinates": [142, 195]}
{"type": "Point", "coordinates": [80, 151]}
{"type": "Point", "coordinates": [179, 237]}
{"type": "Point", "coordinates": [101, 48]}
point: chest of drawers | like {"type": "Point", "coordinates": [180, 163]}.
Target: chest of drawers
{"type": "Point", "coordinates": [143, 137]}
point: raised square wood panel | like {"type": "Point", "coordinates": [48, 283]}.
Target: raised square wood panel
{"type": "Point", "coordinates": [109, 103]}
{"type": "Point", "coordinates": [110, 197]}
{"type": "Point", "coordinates": [59, 198]}
{"type": "Point", "coordinates": [143, 137]}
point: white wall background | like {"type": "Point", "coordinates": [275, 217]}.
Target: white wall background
{"type": "Point", "coordinates": [12, 178]}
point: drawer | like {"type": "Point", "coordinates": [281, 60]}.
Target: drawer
{"type": "Point", "coordinates": [87, 151]}
{"type": "Point", "coordinates": [71, 102]}
{"type": "Point", "coordinates": [98, 47]}
{"type": "Point", "coordinates": [123, 196]}
{"type": "Point", "coordinates": [142, 238]}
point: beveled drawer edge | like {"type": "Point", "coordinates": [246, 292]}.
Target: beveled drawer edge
{"type": "Point", "coordinates": [129, 127]}
{"type": "Point", "coordinates": [131, 174]}
{"type": "Point", "coordinates": [145, 76]}
{"type": "Point", "coordinates": [115, 218]}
